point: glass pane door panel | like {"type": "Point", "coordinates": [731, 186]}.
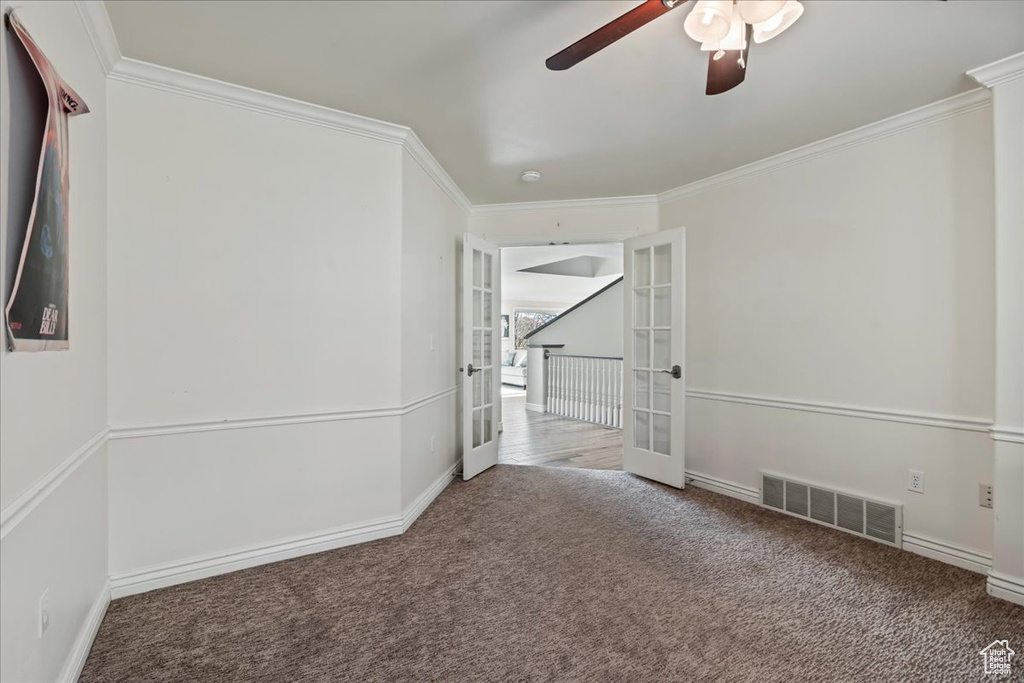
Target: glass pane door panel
{"type": "Point", "coordinates": [663, 264]}
{"type": "Point", "coordinates": [661, 428]}
{"type": "Point", "coordinates": [642, 385]}
{"type": "Point", "coordinates": [478, 397]}
{"type": "Point", "coordinates": [477, 309]}
{"type": "Point", "coordinates": [487, 385]}
{"type": "Point", "coordinates": [477, 427]}
{"type": "Point", "coordinates": [662, 307]}
{"type": "Point", "coordinates": [663, 392]}
{"type": "Point", "coordinates": [641, 267]}
{"type": "Point", "coordinates": [662, 349]}
{"type": "Point", "coordinates": [486, 335]}
{"type": "Point", "coordinates": [487, 308]}
{"type": "Point", "coordinates": [642, 429]}
{"type": "Point", "coordinates": [641, 349]}
{"type": "Point", "coordinates": [477, 349]}
{"type": "Point", "coordinates": [487, 272]}
{"type": "Point", "coordinates": [642, 307]}
{"type": "Point", "coordinates": [477, 269]}
{"type": "Point", "coordinates": [488, 412]}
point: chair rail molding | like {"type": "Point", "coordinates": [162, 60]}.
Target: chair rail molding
{"type": "Point", "coordinates": [970, 424]}
{"type": "Point", "coordinates": [190, 427]}
{"type": "Point", "coordinates": [18, 510]}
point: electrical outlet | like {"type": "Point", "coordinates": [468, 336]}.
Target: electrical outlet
{"type": "Point", "coordinates": [985, 495]}
{"type": "Point", "coordinates": [44, 612]}
{"type": "Point", "coordinates": [915, 481]}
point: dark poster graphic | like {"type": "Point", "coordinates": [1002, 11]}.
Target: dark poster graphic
{"type": "Point", "coordinates": [37, 311]}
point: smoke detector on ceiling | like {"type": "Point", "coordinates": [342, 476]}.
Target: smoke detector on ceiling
{"type": "Point", "coordinates": [529, 176]}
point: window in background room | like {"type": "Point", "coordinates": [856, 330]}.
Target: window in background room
{"type": "Point", "coordinates": [527, 321]}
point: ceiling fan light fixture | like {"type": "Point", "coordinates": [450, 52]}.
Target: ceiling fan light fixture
{"type": "Point", "coordinates": [778, 23]}
{"type": "Point", "coordinates": [734, 40]}
{"type": "Point", "coordinates": [757, 11]}
{"type": "Point", "coordinates": [709, 21]}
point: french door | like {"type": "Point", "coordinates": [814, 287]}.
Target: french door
{"type": "Point", "coordinates": [654, 357]}
{"type": "Point", "coordinates": [481, 312]}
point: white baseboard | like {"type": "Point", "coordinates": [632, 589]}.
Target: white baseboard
{"type": "Point", "coordinates": [173, 573]}
{"type": "Point", "coordinates": [412, 513]}
{"type": "Point", "coordinates": [950, 553]}
{"type": "Point", "coordinates": [726, 488]}
{"type": "Point", "coordinates": [999, 585]}
{"type": "Point", "coordinates": [1006, 587]}
{"type": "Point", "coordinates": [537, 407]}
{"type": "Point", "coordinates": [86, 635]}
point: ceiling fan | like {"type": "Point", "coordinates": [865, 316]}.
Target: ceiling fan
{"type": "Point", "coordinates": [724, 28]}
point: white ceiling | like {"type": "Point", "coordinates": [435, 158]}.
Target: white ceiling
{"type": "Point", "coordinates": [556, 289]}
{"type": "Point", "coordinates": [469, 77]}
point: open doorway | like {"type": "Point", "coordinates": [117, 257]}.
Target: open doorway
{"type": "Point", "coordinates": [561, 308]}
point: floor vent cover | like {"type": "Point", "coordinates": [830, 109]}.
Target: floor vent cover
{"type": "Point", "coordinates": [877, 520]}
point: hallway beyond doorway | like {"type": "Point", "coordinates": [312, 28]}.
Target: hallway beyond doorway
{"type": "Point", "coordinates": [530, 438]}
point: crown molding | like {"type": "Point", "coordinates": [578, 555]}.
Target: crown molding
{"type": "Point", "coordinates": [930, 113]}
{"type": "Point", "coordinates": [145, 74]}
{"type": "Point", "coordinates": [429, 163]}
{"type": "Point", "coordinates": [100, 31]}
{"type": "Point", "coordinates": [649, 200]}
{"type": "Point", "coordinates": [164, 78]}
{"type": "Point", "coordinates": [1002, 71]}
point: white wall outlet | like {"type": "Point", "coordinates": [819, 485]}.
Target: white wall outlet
{"type": "Point", "coordinates": [44, 612]}
{"type": "Point", "coordinates": [915, 481]}
{"type": "Point", "coordinates": [985, 495]}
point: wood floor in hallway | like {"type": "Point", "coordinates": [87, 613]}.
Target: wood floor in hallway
{"type": "Point", "coordinates": [531, 438]}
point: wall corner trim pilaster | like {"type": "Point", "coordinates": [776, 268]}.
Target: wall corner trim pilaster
{"type": "Point", "coordinates": [996, 73]}
{"type": "Point", "coordinates": [11, 515]}
{"type": "Point", "coordinates": [100, 31]}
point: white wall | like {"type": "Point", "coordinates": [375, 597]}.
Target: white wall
{"type": "Point", "coordinates": [862, 278]}
{"type": "Point", "coordinates": [570, 221]}
{"type": "Point", "coordinates": [593, 329]}
{"type": "Point", "coordinates": [255, 332]}
{"type": "Point", "coordinates": [432, 229]}
{"type": "Point", "coordinates": [54, 404]}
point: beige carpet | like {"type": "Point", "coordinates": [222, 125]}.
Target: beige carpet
{"type": "Point", "coordinates": [542, 574]}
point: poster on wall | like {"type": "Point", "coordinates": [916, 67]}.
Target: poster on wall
{"type": "Point", "coordinates": [36, 313]}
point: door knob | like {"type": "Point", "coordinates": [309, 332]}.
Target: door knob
{"type": "Point", "coordinates": [676, 372]}
{"type": "Point", "coordinates": [470, 370]}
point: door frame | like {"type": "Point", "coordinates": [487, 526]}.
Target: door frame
{"type": "Point", "coordinates": [554, 239]}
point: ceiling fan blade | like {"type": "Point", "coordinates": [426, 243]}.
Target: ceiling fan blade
{"type": "Point", "coordinates": [726, 73]}
{"type": "Point", "coordinates": [609, 33]}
